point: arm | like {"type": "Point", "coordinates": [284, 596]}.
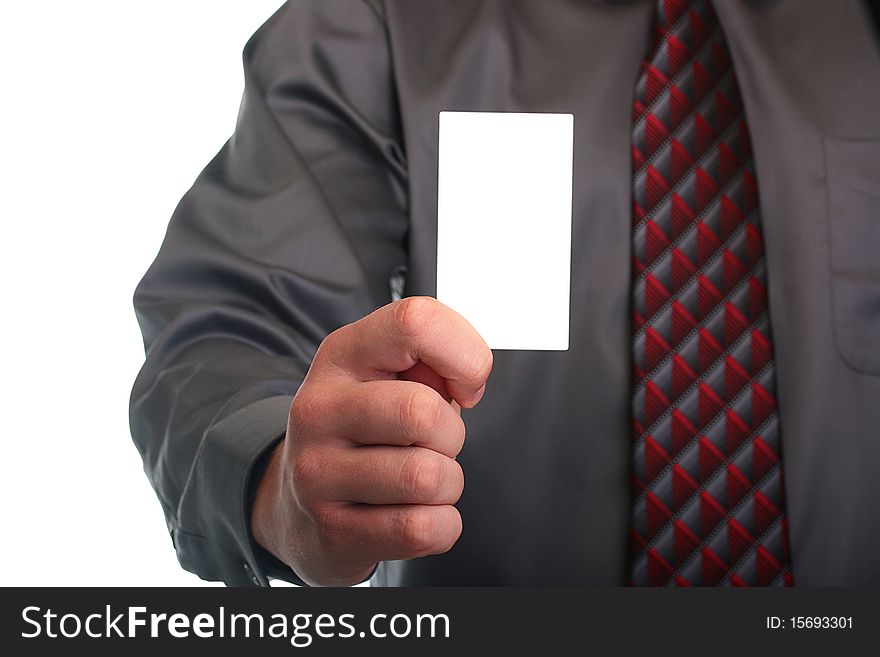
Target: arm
{"type": "Point", "coordinates": [291, 231]}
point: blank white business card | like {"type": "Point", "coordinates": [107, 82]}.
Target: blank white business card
{"type": "Point", "coordinates": [504, 225]}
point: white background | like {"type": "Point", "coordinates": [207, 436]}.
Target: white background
{"type": "Point", "coordinates": [109, 109]}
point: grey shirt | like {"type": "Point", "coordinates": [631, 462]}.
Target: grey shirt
{"type": "Point", "coordinates": [329, 187]}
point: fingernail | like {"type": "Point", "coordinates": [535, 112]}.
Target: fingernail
{"type": "Point", "coordinates": [477, 397]}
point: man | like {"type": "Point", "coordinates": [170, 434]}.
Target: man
{"type": "Point", "coordinates": [715, 420]}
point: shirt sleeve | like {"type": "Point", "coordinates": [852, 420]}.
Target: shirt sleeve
{"type": "Point", "coordinates": [293, 230]}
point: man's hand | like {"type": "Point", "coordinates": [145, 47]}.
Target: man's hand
{"type": "Point", "coordinates": [367, 470]}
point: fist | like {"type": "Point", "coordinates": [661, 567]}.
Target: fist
{"type": "Point", "coordinates": [367, 470]}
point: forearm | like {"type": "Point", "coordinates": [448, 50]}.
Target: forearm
{"type": "Point", "coordinates": [272, 249]}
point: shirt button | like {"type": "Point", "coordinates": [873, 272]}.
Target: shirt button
{"type": "Point", "coordinates": [251, 574]}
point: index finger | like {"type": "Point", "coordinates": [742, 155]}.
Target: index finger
{"type": "Point", "coordinates": [395, 337]}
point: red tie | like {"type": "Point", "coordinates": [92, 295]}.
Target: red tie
{"type": "Point", "coordinates": [708, 503]}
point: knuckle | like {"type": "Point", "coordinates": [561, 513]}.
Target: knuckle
{"type": "Point", "coordinates": [418, 531]}
{"type": "Point", "coordinates": [414, 315]}
{"type": "Point", "coordinates": [446, 542]}
{"type": "Point", "coordinates": [422, 476]}
{"type": "Point", "coordinates": [459, 482]}
{"type": "Point", "coordinates": [329, 525]}
{"type": "Point", "coordinates": [421, 412]}
{"type": "Point", "coordinates": [480, 366]}
{"type": "Point", "coordinates": [329, 344]}
{"type": "Point", "coordinates": [459, 436]}
{"type": "Point", "coordinates": [331, 349]}
{"type": "Point", "coordinates": [306, 408]}
{"type": "Point", "coordinates": [305, 472]}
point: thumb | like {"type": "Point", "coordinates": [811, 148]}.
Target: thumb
{"type": "Point", "coordinates": [422, 373]}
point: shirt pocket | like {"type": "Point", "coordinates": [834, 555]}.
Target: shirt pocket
{"type": "Point", "coordinates": [852, 168]}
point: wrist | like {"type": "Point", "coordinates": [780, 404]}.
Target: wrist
{"type": "Point", "coordinates": [266, 487]}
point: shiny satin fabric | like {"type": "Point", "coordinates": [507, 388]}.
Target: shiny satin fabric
{"type": "Point", "coordinates": [327, 190]}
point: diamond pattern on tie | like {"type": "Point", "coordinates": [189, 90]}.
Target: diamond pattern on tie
{"type": "Point", "coordinates": [708, 503]}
